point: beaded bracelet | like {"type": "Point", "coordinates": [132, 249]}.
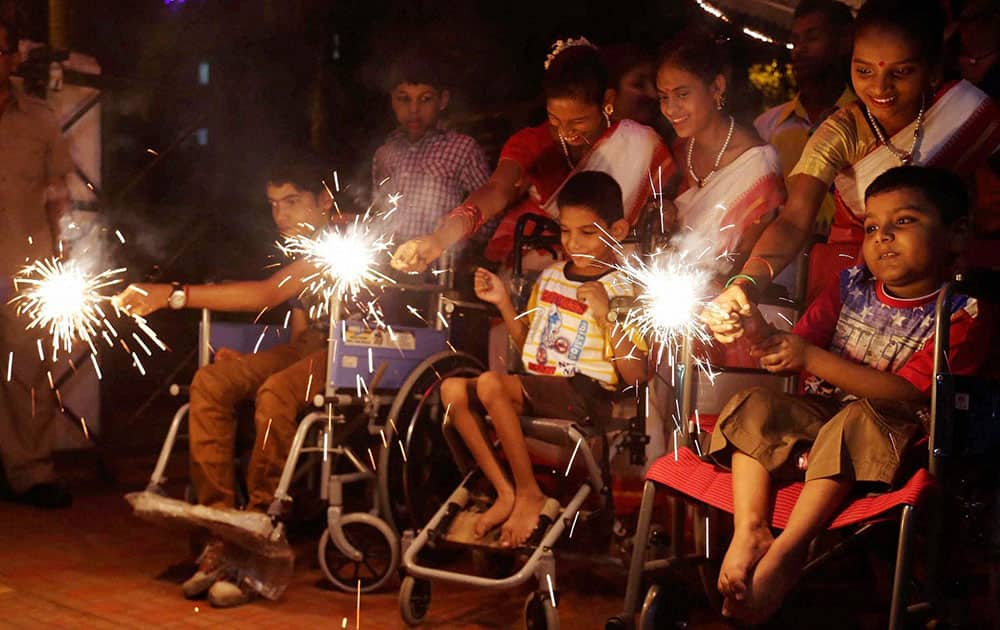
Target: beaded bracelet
{"type": "Point", "coordinates": [770, 269]}
{"type": "Point", "coordinates": [470, 215]}
{"type": "Point", "coordinates": [744, 276]}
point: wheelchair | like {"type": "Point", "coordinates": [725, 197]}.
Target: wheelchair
{"type": "Point", "coordinates": [955, 493]}
{"type": "Point", "coordinates": [587, 509]}
{"type": "Point", "coordinates": [373, 419]}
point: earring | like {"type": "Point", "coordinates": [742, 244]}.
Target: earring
{"type": "Point", "coordinates": [609, 109]}
{"type": "Point", "coordinates": [720, 102]}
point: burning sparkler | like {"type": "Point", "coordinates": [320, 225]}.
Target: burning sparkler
{"type": "Point", "coordinates": [345, 257]}
{"type": "Point", "coordinates": [65, 300]}
{"type": "Point", "coordinates": [670, 291]}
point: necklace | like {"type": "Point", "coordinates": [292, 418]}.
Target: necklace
{"type": "Point", "coordinates": [904, 157]}
{"type": "Point", "coordinates": [565, 149]}
{"type": "Point", "coordinates": [718, 158]}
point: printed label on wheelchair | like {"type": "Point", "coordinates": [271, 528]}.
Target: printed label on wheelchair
{"type": "Point", "coordinates": [360, 353]}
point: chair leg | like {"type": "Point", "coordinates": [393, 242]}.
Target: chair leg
{"type": "Point", "coordinates": [639, 545]}
{"type": "Point", "coordinates": [901, 580]}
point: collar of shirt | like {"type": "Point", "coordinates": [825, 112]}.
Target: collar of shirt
{"type": "Point", "coordinates": [794, 107]}
{"type": "Point", "coordinates": [399, 137]}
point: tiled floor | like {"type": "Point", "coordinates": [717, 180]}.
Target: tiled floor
{"type": "Point", "coordinates": [97, 566]}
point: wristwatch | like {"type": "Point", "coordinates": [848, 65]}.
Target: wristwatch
{"type": "Point", "coordinates": [618, 308]}
{"type": "Point", "coordinates": [178, 296]}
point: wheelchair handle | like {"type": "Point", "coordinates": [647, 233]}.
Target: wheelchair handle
{"type": "Point", "coordinates": [544, 234]}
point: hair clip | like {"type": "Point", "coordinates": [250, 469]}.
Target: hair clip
{"type": "Point", "coordinates": [562, 44]}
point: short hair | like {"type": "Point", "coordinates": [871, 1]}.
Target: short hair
{"type": "Point", "coordinates": [944, 189]}
{"type": "Point", "coordinates": [577, 72]}
{"type": "Point", "coordinates": [13, 35]}
{"type": "Point", "coordinates": [920, 21]}
{"type": "Point", "coordinates": [837, 14]}
{"type": "Point", "coordinates": [595, 190]}
{"type": "Point", "coordinates": [308, 174]}
{"type": "Point", "coordinates": [415, 66]}
{"type": "Point", "coordinates": [695, 51]}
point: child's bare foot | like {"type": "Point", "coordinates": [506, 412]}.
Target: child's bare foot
{"type": "Point", "coordinates": [748, 546]}
{"type": "Point", "coordinates": [523, 520]}
{"type": "Point", "coordinates": [774, 577]}
{"type": "Point", "coordinates": [497, 514]}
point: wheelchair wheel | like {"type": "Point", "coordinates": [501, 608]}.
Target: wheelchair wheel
{"type": "Point", "coordinates": [378, 545]}
{"type": "Point", "coordinates": [540, 613]}
{"type": "Point", "coordinates": [410, 490]}
{"type": "Point", "coordinates": [414, 600]}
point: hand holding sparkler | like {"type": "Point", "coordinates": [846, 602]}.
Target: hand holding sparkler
{"type": "Point", "coordinates": [416, 254]}
{"type": "Point", "coordinates": [490, 288]}
{"type": "Point", "coordinates": [142, 299]}
{"type": "Point", "coordinates": [725, 314]}
{"type": "Point", "coordinates": [594, 295]}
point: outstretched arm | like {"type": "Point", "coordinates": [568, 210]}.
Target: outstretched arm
{"type": "Point", "coordinates": [491, 199]}
{"type": "Point", "coordinates": [251, 296]}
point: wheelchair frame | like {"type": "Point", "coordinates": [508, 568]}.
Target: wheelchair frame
{"type": "Point", "coordinates": [940, 447]}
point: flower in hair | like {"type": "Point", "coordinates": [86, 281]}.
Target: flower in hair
{"type": "Point", "coordinates": [562, 44]}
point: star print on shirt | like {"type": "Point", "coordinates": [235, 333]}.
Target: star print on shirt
{"type": "Point", "coordinates": [898, 319]}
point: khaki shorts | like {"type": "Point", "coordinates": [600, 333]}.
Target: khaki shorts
{"type": "Point", "coordinates": [863, 440]}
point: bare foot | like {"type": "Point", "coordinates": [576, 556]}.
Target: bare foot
{"type": "Point", "coordinates": [748, 546]}
{"type": "Point", "coordinates": [774, 577]}
{"type": "Point", "coordinates": [497, 514]}
{"type": "Point", "coordinates": [523, 520]}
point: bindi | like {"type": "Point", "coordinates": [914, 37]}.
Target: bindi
{"type": "Point", "coordinates": [881, 64]}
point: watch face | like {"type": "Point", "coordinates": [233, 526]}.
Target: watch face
{"type": "Point", "coordinates": [176, 299]}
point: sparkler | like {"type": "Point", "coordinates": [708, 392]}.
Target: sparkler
{"type": "Point", "coordinates": [671, 290]}
{"type": "Point", "coordinates": [345, 258]}
{"type": "Point", "coordinates": [64, 300]}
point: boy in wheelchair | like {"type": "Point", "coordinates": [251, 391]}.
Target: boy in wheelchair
{"type": "Point", "coordinates": [276, 379]}
{"type": "Point", "coordinates": [574, 357]}
{"type": "Point", "coordinates": [866, 345]}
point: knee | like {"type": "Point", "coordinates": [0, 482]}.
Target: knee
{"type": "Point", "coordinates": [453, 391]}
{"type": "Point", "coordinates": [278, 393]}
{"type": "Point", "coordinates": [489, 387]}
{"type": "Point", "coordinates": [854, 417]}
{"type": "Point", "coordinates": [210, 384]}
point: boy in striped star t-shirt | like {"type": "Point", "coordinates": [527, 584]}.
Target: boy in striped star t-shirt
{"type": "Point", "coordinates": [574, 357]}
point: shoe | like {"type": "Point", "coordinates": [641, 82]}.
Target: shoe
{"type": "Point", "coordinates": [225, 594]}
{"type": "Point", "coordinates": [49, 495]}
{"type": "Point", "coordinates": [210, 568]}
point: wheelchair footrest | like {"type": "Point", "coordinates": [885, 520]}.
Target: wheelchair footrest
{"type": "Point", "coordinates": [463, 528]}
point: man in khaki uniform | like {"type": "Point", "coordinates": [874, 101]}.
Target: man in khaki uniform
{"type": "Point", "coordinates": [34, 163]}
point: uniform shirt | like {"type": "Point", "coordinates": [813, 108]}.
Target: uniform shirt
{"type": "Point", "coordinates": [432, 176]}
{"type": "Point", "coordinates": [33, 154]}
{"type": "Point", "coordinates": [857, 320]}
{"type": "Point", "coordinates": [564, 338]}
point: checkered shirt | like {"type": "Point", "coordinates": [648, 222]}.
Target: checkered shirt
{"type": "Point", "coordinates": [431, 176]}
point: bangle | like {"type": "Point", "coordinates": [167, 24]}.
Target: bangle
{"type": "Point", "coordinates": [470, 215]}
{"type": "Point", "coordinates": [770, 269]}
{"type": "Point", "coordinates": [741, 276]}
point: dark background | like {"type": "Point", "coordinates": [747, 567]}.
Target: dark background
{"type": "Point", "coordinates": [287, 76]}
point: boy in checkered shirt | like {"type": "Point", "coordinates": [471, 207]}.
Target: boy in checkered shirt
{"type": "Point", "coordinates": [431, 169]}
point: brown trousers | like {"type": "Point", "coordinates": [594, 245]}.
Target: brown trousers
{"type": "Point", "coordinates": [277, 380]}
{"type": "Point", "coordinates": [27, 406]}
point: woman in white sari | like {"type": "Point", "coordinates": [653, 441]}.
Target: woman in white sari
{"type": "Point", "coordinates": [732, 184]}
{"type": "Point", "coordinates": [535, 163]}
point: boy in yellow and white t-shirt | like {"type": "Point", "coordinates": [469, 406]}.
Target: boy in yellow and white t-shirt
{"type": "Point", "coordinates": [575, 357]}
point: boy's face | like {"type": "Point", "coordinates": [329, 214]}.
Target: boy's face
{"type": "Point", "coordinates": [417, 107]}
{"type": "Point", "coordinates": [297, 212]}
{"type": "Point", "coordinates": [583, 234]}
{"type": "Point", "coordinates": [906, 245]}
